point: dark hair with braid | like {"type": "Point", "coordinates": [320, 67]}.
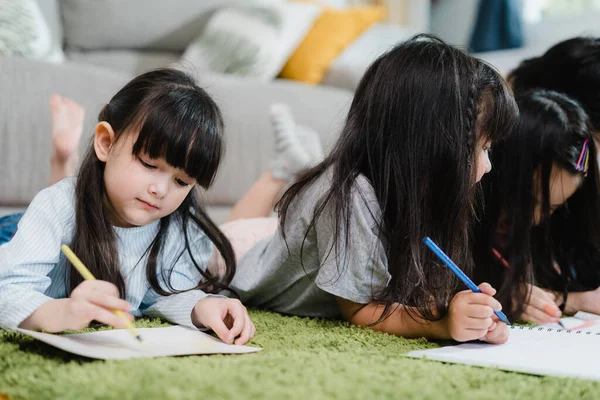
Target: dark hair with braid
{"type": "Point", "coordinates": [175, 120]}
{"type": "Point", "coordinates": [411, 131]}
{"type": "Point", "coordinates": [512, 242]}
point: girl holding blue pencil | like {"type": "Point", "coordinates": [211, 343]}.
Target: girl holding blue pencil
{"type": "Point", "coordinates": [406, 165]}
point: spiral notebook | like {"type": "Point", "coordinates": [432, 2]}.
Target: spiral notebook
{"type": "Point", "coordinates": [533, 350]}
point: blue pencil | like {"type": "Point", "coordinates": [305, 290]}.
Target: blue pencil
{"type": "Point", "coordinates": [457, 271]}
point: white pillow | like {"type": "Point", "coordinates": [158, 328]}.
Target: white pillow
{"type": "Point", "coordinates": [348, 68]}
{"type": "Point", "coordinates": [252, 41]}
{"type": "Point", "coordinates": [24, 32]}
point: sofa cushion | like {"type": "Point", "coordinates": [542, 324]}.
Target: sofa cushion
{"type": "Point", "coordinates": [250, 143]}
{"type": "Point", "coordinates": [24, 31]}
{"type": "Point", "coordinates": [135, 24]}
{"type": "Point", "coordinates": [127, 61]}
{"type": "Point", "coordinates": [253, 41]}
{"type": "Point", "coordinates": [51, 11]}
{"type": "Point", "coordinates": [331, 33]}
{"type": "Point", "coordinates": [348, 68]}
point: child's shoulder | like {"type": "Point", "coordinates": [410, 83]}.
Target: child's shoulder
{"type": "Point", "coordinates": [361, 190]}
{"type": "Point", "coordinates": [64, 187]}
{"type": "Point", "coordinates": [60, 196]}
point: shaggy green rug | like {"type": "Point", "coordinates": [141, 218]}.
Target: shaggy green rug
{"type": "Point", "coordinates": [302, 359]}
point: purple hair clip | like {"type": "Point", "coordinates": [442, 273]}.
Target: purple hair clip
{"type": "Point", "coordinates": [582, 163]}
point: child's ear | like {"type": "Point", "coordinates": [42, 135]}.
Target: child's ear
{"type": "Point", "coordinates": [103, 140]}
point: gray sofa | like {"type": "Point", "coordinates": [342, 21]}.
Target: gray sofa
{"type": "Point", "coordinates": [26, 86]}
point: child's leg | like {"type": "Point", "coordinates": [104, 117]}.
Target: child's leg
{"type": "Point", "coordinates": [67, 126]}
{"type": "Point", "coordinates": [259, 200]}
{"type": "Point", "coordinates": [295, 150]}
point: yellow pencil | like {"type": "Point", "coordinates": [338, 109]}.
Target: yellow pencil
{"type": "Point", "coordinates": [87, 275]}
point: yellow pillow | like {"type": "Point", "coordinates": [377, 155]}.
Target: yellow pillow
{"type": "Point", "coordinates": [331, 33]}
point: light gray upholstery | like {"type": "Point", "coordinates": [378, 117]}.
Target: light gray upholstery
{"type": "Point", "coordinates": [348, 68]}
{"type": "Point", "coordinates": [25, 118]}
{"type": "Point", "coordinates": [51, 11]}
{"type": "Point", "coordinates": [25, 121]}
{"type": "Point", "coordinates": [127, 61]}
{"type": "Point", "coordinates": [135, 24]}
{"type": "Point", "coordinates": [250, 145]}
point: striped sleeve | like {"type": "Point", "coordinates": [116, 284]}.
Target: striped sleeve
{"type": "Point", "coordinates": [28, 258]}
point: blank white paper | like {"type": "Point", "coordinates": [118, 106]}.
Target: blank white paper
{"type": "Point", "coordinates": [119, 344]}
{"type": "Point", "coordinates": [538, 351]}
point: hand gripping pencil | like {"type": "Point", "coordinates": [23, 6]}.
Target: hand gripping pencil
{"type": "Point", "coordinates": [87, 275]}
{"type": "Point", "coordinates": [457, 271]}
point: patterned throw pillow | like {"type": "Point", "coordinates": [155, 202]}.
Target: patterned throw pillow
{"type": "Point", "coordinates": [23, 30]}
{"type": "Point", "coordinates": [251, 41]}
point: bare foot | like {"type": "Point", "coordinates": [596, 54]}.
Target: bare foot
{"type": "Point", "coordinates": [67, 126]}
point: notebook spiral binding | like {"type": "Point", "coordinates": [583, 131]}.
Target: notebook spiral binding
{"type": "Point", "coordinates": [539, 329]}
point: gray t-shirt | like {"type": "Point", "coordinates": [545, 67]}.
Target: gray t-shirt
{"type": "Point", "coordinates": [271, 275]}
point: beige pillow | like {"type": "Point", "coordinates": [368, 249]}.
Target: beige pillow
{"type": "Point", "coordinates": [251, 40]}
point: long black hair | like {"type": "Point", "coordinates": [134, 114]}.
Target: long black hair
{"type": "Point", "coordinates": [571, 67]}
{"type": "Point", "coordinates": [412, 130]}
{"type": "Point", "coordinates": [512, 245]}
{"type": "Point", "coordinates": [176, 120]}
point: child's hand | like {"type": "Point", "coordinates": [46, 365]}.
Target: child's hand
{"type": "Point", "coordinates": [228, 318]}
{"type": "Point", "coordinates": [497, 332]}
{"type": "Point", "coordinates": [470, 314]}
{"type": "Point", "coordinates": [95, 300]}
{"type": "Point", "coordinates": [541, 308]}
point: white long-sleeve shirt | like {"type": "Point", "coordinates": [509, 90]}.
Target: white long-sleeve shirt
{"type": "Point", "coordinates": [33, 269]}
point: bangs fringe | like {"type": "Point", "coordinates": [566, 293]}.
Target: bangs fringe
{"type": "Point", "coordinates": [183, 133]}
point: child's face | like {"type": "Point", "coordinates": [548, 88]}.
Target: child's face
{"type": "Point", "coordinates": [484, 165]}
{"type": "Point", "coordinates": [141, 190]}
{"type": "Point", "coordinates": [562, 186]}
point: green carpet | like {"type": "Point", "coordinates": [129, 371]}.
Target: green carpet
{"type": "Point", "coordinates": [302, 359]}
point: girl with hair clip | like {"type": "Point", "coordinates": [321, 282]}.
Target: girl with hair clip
{"type": "Point", "coordinates": [571, 67]}
{"type": "Point", "coordinates": [132, 217]}
{"type": "Point", "coordinates": [349, 242]}
{"type": "Point", "coordinates": [541, 196]}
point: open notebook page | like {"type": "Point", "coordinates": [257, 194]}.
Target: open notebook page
{"type": "Point", "coordinates": [580, 321]}
{"type": "Point", "coordinates": [539, 351]}
{"type": "Point", "coordinates": [119, 344]}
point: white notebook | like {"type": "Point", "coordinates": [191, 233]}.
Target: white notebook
{"type": "Point", "coordinates": [582, 321]}
{"type": "Point", "coordinates": [118, 344]}
{"type": "Point", "coordinates": [533, 350]}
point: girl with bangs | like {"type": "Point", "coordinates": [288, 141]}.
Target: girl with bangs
{"type": "Point", "coordinates": [349, 242]}
{"type": "Point", "coordinates": [132, 217]}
